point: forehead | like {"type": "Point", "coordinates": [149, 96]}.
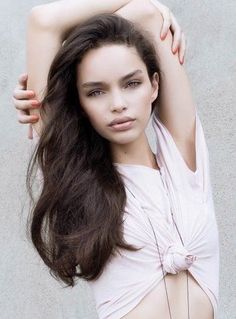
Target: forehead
{"type": "Point", "coordinates": [109, 62]}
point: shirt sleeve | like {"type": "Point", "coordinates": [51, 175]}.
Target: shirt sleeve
{"type": "Point", "coordinates": [174, 164]}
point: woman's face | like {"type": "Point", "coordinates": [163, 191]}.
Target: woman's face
{"type": "Point", "coordinates": [113, 94]}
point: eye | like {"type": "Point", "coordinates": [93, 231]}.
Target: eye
{"type": "Point", "coordinates": [94, 93]}
{"type": "Point", "coordinates": [134, 83]}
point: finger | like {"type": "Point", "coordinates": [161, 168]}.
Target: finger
{"type": "Point", "coordinates": [166, 23]}
{"type": "Point", "coordinates": [22, 81]}
{"type": "Point", "coordinates": [165, 12]}
{"type": "Point", "coordinates": [30, 132]}
{"type": "Point", "coordinates": [176, 30]}
{"type": "Point", "coordinates": [182, 48]}
{"type": "Point", "coordinates": [23, 118]}
{"type": "Point", "coordinates": [176, 41]}
{"type": "Point", "coordinates": [26, 105]}
{"type": "Point", "coordinates": [20, 94]}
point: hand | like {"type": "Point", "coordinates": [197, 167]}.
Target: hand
{"type": "Point", "coordinates": [23, 101]}
{"type": "Point", "coordinates": [170, 22]}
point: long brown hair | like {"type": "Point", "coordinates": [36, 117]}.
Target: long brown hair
{"type": "Point", "coordinates": [77, 220]}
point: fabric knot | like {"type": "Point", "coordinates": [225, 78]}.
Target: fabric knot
{"type": "Point", "coordinates": [177, 258]}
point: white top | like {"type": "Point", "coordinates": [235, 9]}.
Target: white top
{"type": "Point", "coordinates": [130, 276]}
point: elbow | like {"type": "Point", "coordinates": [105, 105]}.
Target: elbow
{"type": "Point", "coordinates": [40, 18]}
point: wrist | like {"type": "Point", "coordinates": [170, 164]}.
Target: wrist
{"type": "Point", "coordinates": [158, 6]}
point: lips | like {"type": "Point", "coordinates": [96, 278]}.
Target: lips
{"type": "Point", "coordinates": [121, 120]}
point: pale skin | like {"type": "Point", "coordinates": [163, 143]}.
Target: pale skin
{"type": "Point", "coordinates": [114, 98]}
{"type": "Point", "coordinates": [176, 108]}
{"type": "Point", "coordinates": [149, 17]}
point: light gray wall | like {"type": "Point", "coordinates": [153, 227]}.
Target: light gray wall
{"type": "Point", "coordinates": [26, 288]}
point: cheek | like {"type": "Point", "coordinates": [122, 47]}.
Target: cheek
{"type": "Point", "coordinates": [143, 99]}
{"type": "Point", "coordinates": [95, 114]}
{"type": "Point", "coordinates": [90, 108]}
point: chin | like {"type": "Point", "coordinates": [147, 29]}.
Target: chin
{"type": "Point", "coordinates": [123, 138]}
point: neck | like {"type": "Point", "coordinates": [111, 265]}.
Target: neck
{"type": "Point", "coordinates": [138, 153]}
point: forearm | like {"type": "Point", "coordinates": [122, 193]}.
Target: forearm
{"type": "Point", "coordinates": [41, 48]}
{"type": "Point", "coordinates": [176, 103]}
{"type": "Point", "coordinates": [62, 16]}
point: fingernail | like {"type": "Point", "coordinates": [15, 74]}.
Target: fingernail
{"type": "Point", "coordinates": [35, 103]}
{"type": "Point", "coordinates": [162, 36]}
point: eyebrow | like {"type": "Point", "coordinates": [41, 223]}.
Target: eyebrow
{"type": "Point", "coordinates": [126, 77]}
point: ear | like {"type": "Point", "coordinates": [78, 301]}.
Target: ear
{"type": "Point", "coordinates": [155, 86]}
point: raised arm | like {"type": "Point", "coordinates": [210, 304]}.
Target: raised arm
{"type": "Point", "coordinates": [176, 107]}
{"type": "Point", "coordinates": [48, 26]}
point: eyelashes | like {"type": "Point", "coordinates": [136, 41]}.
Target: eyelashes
{"type": "Point", "coordinates": [132, 84]}
{"type": "Point", "coordinates": [93, 93]}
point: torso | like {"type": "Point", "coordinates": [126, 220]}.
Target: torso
{"type": "Point", "coordinates": [154, 304]}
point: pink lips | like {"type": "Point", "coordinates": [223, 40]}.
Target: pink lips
{"type": "Point", "coordinates": [121, 120]}
{"type": "Point", "coordinates": [122, 126]}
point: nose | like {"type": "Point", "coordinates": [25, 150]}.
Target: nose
{"type": "Point", "coordinates": [117, 102]}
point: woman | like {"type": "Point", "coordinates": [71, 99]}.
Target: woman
{"type": "Point", "coordinates": [139, 227]}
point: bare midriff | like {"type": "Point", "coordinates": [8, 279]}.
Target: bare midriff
{"type": "Point", "coordinates": [154, 304]}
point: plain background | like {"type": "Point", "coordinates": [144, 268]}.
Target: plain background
{"type": "Point", "coordinates": [27, 290]}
